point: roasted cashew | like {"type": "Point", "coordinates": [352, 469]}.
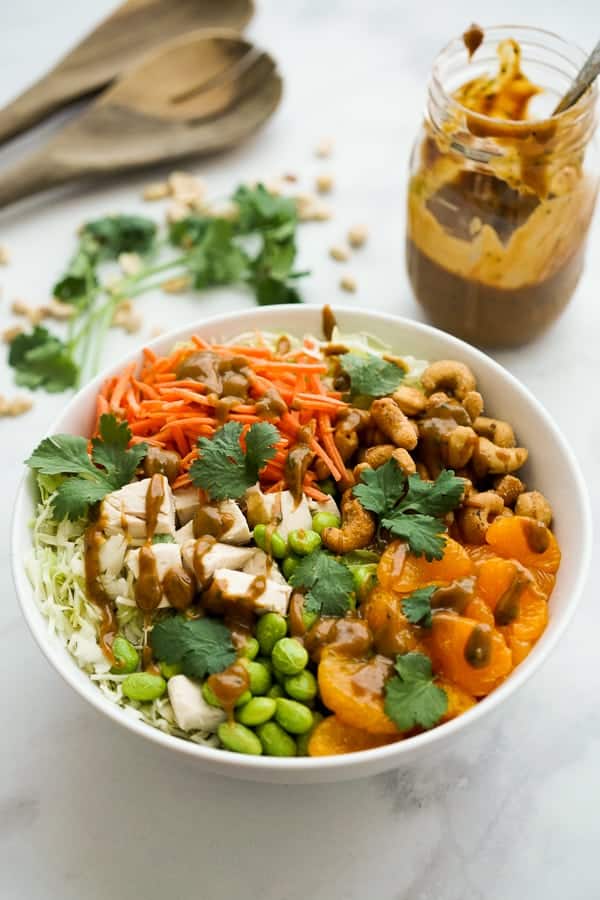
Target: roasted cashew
{"type": "Point", "coordinates": [451, 375]}
{"type": "Point", "coordinates": [350, 422]}
{"type": "Point", "coordinates": [391, 420]}
{"type": "Point", "coordinates": [489, 459]}
{"type": "Point", "coordinates": [346, 442]}
{"type": "Point", "coordinates": [473, 404]}
{"type": "Point", "coordinates": [509, 487]}
{"type": "Point", "coordinates": [437, 399]}
{"type": "Point", "coordinates": [457, 446]}
{"type": "Point", "coordinates": [410, 400]}
{"type": "Point", "coordinates": [497, 431]}
{"type": "Point", "coordinates": [534, 505]}
{"type": "Point", "coordinates": [377, 456]}
{"type": "Point", "coordinates": [475, 517]}
{"type": "Point", "coordinates": [357, 531]}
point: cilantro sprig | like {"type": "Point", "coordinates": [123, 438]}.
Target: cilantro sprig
{"type": "Point", "coordinates": [329, 584]}
{"type": "Point", "coordinates": [41, 360]}
{"type": "Point", "coordinates": [201, 646]}
{"type": "Point", "coordinates": [223, 469]}
{"type": "Point", "coordinates": [370, 375]}
{"type": "Point", "coordinates": [410, 508]}
{"type": "Point", "coordinates": [110, 467]}
{"type": "Point", "coordinates": [417, 606]}
{"type": "Point", "coordinates": [411, 697]}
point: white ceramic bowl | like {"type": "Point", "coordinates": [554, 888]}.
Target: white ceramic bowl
{"type": "Point", "coordinates": [552, 469]}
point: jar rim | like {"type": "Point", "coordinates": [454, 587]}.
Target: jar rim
{"type": "Point", "coordinates": [582, 106]}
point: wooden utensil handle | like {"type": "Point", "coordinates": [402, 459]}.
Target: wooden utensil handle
{"type": "Point", "coordinates": [33, 105]}
{"type": "Point", "coordinates": [38, 172]}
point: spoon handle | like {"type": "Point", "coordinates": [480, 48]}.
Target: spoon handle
{"type": "Point", "coordinates": [583, 80]}
{"type": "Point", "coordinates": [37, 172]}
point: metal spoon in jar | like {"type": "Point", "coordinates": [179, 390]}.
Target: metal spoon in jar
{"type": "Point", "coordinates": [583, 81]}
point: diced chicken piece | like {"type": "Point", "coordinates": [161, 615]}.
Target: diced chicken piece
{"type": "Point", "coordinates": [261, 564]}
{"type": "Point", "coordinates": [234, 585]}
{"type": "Point", "coordinates": [111, 558]}
{"type": "Point", "coordinates": [124, 511]}
{"type": "Point", "coordinates": [185, 533]}
{"type": "Point", "coordinates": [218, 556]}
{"type": "Point", "coordinates": [187, 501]}
{"type": "Point", "coordinates": [280, 508]}
{"type": "Point", "coordinates": [329, 506]}
{"type": "Point", "coordinates": [239, 533]}
{"type": "Point", "coordinates": [166, 556]}
{"type": "Point", "coordinates": [191, 711]}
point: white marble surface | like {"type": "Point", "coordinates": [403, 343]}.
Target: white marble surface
{"type": "Point", "coordinates": [89, 812]}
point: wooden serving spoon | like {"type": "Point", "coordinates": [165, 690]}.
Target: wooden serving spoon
{"type": "Point", "coordinates": [200, 93]}
{"type": "Point", "coordinates": [120, 41]}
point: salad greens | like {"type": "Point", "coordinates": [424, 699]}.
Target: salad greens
{"type": "Point", "coordinates": [412, 697]}
{"type": "Point", "coordinates": [329, 583]}
{"type": "Point", "coordinates": [201, 646]}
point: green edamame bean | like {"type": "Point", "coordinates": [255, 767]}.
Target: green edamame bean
{"type": "Point", "coordinates": [257, 711]}
{"type": "Point", "coordinates": [212, 699]}
{"type": "Point", "coordinates": [322, 520]}
{"type": "Point", "coordinates": [364, 577]}
{"type": "Point", "coordinates": [289, 656]}
{"type": "Point", "coordinates": [275, 741]}
{"type": "Point", "coordinates": [275, 692]}
{"type": "Point", "coordinates": [304, 541]}
{"type": "Point", "coordinates": [239, 739]}
{"type": "Point", "coordinates": [144, 686]}
{"type": "Point", "coordinates": [168, 670]}
{"type": "Point", "coordinates": [303, 739]}
{"type": "Point", "coordinates": [273, 544]}
{"type": "Point", "coordinates": [126, 656]}
{"type": "Point", "coordinates": [250, 648]}
{"type": "Point", "coordinates": [302, 686]}
{"type": "Point", "coordinates": [270, 628]}
{"type": "Point", "coordinates": [259, 675]}
{"type": "Point", "coordinates": [309, 617]}
{"type": "Point", "coordinates": [293, 716]}
{"type": "Point", "coordinates": [290, 564]}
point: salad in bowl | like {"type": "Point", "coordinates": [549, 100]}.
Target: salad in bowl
{"type": "Point", "coordinates": [291, 544]}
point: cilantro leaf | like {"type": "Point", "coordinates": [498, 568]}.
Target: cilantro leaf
{"type": "Point", "coordinates": [329, 583]}
{"type": "Point", "coordinates": [411, 697]}
{"type": "Point", "coordinates": [67, 454]}
{"type": "Point", "coordinates": [417, 606]}
{"type": "Point", "coordinates": [114, 235]}
{"type": "Point", "coordinates": [410, 508]}
{"type": "Point", "coordinates": [370, 375]}
{"type": "Point", "coordinates": [271, 292]}
{"type": "Point", "coordinates": [259, 209]}
{"type": "Point", "coordinates": [223, 469]}
{"type": "Point", "coordinates": [424, 534]}
{"type": "Point", "coordinates": [79, 282]}
{"type": "Point", "coordinates": [202, 646]}
{"type": "Point", "coordinates": [380, 489]}
{"type": "Point", "coordinates": [40, 359]}
{"type": "Point", "coordinates": [433, 498]}
{"type": "Point", "coordinates": [188, 231]}
{"type": "Point", "coordinates": [217, 259]}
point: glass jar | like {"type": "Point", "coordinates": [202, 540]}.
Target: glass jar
{"type": "Point", "coordinates": [501, 192]}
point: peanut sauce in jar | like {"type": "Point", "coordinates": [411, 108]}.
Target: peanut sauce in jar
{"type": "Point", "coordinates": [501, 192]}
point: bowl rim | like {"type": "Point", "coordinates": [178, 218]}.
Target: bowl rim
{"type": "Point", "coordinates": [236, 764]}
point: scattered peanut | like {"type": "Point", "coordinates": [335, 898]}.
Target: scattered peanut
{"type": "Point", "coordinates": [176, 285]}
{"type": "Point", "coordinates": [324, 183]}
{"type": "Point", "coordinates": [357, 236]}
{"type": "Point", "coordinates": [126, 317]}
{"type": "Point", "coordinates": [311, 208]}
{"type": "Point", "coordinates": [177, 211]}
{"type": "Point", "coordinates": [347, 283]}
{"type": "Point", "coordinates": [186, 188]}
{"type": "Point", "coordinates": [130, 263]}
{"type": "Point", "coordinates": [157, 190]}
{"type": "Point", "coordinates": [324, 148]}
{"type": "Point", "coordinates": [9, 334]}
{"type": "Point", "coordinates": [15, 407]}
{"type": "Point", "coordinates": [340, 254]}
{"type": "Point", "coordinates": [4, 256]}
{"type": "Point", "coordinates": [56, 309]}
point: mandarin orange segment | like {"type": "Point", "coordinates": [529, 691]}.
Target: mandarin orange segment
{"type": "Point", "coordinates": [401, 571]}
{"type": "Point", "coordinates": [469, 653]}
{"type": "Point", "coordinates": [332, 737]}
{"type": "Point", "coordinates": [479, 610]}
{"type": "Point", "coordinates": [392, 632]}
{"type": "Point", "coordinates": [526, 540]}
{"type": "Point", "coordinates": [459, 701]}
{"type": "Point", "coordinates": [495, 580]}
{"type": "Point", "coordinates": [353, 690]}
{"type": "Point", "coordinates": [520, 649]}
{"type": "Point", "coordinates": [478, 553]}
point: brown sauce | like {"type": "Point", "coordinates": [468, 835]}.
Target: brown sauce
{"type": "Point", "coordinates": [508, 606]}
{"type": "Point", "coordinates": [155, 496]}
{"type": "Point", "coordinates": [297, 463]}
{"type": "Point", "coordinates": [271, 405]}
{"type": "Point", "coordinates": [369, 681]}
{"type": "Point", "coordinates": [93, 541]}
{"type": "Point", "coordinates": [219, 375]}
{"type": "Point", "coordinates": [107, 631]}
{"type": "Point", "coordinates": [229, 685]}
{"type": "Point", "coordinates": [328, 321]}
{"type": "Point", "coordinates": [162, 462]}
{"type": "Point", "coordinates": [536, 535]}
{"type": "Point", "coordinates": [455, 596]}
{"type": "Point", "coordinates": [472, 38]}
{"type": "Point", "coordinates": [478, 649]}
{"type": "Point", "coordinates": [179, 587]}
{"type": "Point", "coordinates": [239, 620]}
{"type": "Point", "coordinates": [350, 636]}
{"type": "Point", "coordinates": [223, 406]}
{"type": "Point", "coordinates": [148, 589]}
{"type": "Point", "coordinates": [295, 615]}
{"type": "Point", "coordinates": [209, 520]}
{"type": "Point", "coordinates": [201, 548]}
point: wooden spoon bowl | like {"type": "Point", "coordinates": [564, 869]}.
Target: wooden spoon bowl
{"type": "Point", "coordinates": [196, 95]}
